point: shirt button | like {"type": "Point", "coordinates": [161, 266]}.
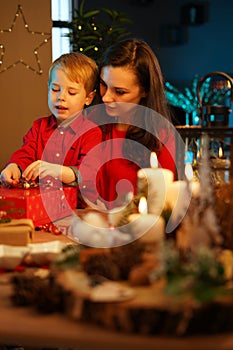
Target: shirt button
{"type": "Point", "coordinates": [61, 132]}
{"type": "Point", "coordinates": [57, 155]}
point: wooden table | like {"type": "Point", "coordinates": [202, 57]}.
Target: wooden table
{"type": "Point", "coordinates": [25, 326]}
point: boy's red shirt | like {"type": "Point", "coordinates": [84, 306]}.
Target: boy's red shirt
{"type": "Point", "coordinates": [68, 146]}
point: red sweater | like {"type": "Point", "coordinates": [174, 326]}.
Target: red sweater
{"type": "Point", "coordinates": [118, 175]}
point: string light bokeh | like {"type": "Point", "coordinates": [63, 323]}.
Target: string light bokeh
{"type": "Point", "coordinates": [45, 36]}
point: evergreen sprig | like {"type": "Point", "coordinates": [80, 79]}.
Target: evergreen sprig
{"type": "Point", "coordinates": [200, 275]}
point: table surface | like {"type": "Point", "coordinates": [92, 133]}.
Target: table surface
{"type": "Point", "coordinates": [24, 325]}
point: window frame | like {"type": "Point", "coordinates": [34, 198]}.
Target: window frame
{"type": "Point", "coordinates": [58, 23]}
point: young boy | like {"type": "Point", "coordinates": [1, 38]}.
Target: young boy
{"type": "Point", "coordinates": [56, 145]}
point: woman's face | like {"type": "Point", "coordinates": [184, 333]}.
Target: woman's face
{"type": "Point", "coordinates": [119, 84]}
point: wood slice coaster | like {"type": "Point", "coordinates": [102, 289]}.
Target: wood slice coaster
{"type": "Point", "coordinates": [147, 310]}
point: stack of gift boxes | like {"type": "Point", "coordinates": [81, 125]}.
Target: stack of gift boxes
{"type": "Point", "coordinates": [39, 205]}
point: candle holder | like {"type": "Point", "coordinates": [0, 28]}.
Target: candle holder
{"type": "Point", "coordinates": [220, 138]}
{"type": "Point", "coordinates": [215, 108]}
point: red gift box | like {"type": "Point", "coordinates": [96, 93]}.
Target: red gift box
{"type": "Point", "coordinates": [40, 205]}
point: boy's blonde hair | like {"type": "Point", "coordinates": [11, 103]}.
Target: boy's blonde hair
{"type": "Point", "coordinates": [79, 68]}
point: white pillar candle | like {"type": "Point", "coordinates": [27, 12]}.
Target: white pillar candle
{"type": "Point", "coordinates": [178, 197]}
{"type": "Point", "coordinates": [148, 228]}
{"type": "Point", "coordinates": [158, 179]}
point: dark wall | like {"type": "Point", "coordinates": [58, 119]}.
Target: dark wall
{"type": "Point", "coordinates": [199, 49]}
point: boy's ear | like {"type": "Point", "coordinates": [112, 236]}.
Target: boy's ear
{"type": "Point", "coordinates": [89, 98]}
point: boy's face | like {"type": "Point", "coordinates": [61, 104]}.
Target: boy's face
{"type": "Point", "coordinates": [65, 97]}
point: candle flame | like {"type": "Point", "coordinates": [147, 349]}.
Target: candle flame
{"type": "Point", "coordinates": [142, 207]}
{"type": "Point", "coordinates": [220, 152]}
{"type": "Point", "coordinates": [188, 171]}
{"type": "Point", "coordinates": [153, 160]}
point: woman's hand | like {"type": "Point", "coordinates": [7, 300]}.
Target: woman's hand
{"type": "Point", "coordinates": [11, 175]}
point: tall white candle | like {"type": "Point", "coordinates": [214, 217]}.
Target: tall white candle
{"type": "Point", "coordinates": [158, 179]}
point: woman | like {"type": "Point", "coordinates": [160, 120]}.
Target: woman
{"type": "Point", "coordinates": [137, 122]}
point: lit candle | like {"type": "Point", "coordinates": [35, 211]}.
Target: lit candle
{"type": "Point", "coordinates": [153, 160]}
{"type": "Point", "coordinates": [220, 152]}
{"type": "Point", "coordinates": [221, 166]}
{"type": "Point", "coordinates": [223, 163]}
{"type": "Point", "coordinates": [178, 197]}
{"type": "Point", "coordinates": [142, 207]}
{"type": "Point", "coordinates": [148, 228]}
{"type": "Point", "coordinates": [157, 180]}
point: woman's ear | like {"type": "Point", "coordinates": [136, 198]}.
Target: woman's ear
{"type": "Point", "coordinates": [90, 97]}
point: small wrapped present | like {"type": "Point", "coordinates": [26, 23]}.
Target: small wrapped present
{"type": "Point", "coordinates": [41, 205]}
{"type": "Point", "coordinates": [18, 232]}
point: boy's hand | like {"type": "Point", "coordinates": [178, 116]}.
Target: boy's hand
{"type": "Point", "coordinates": [42, 169]}
{"type": "Point", "coordinates": [10, 176]}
